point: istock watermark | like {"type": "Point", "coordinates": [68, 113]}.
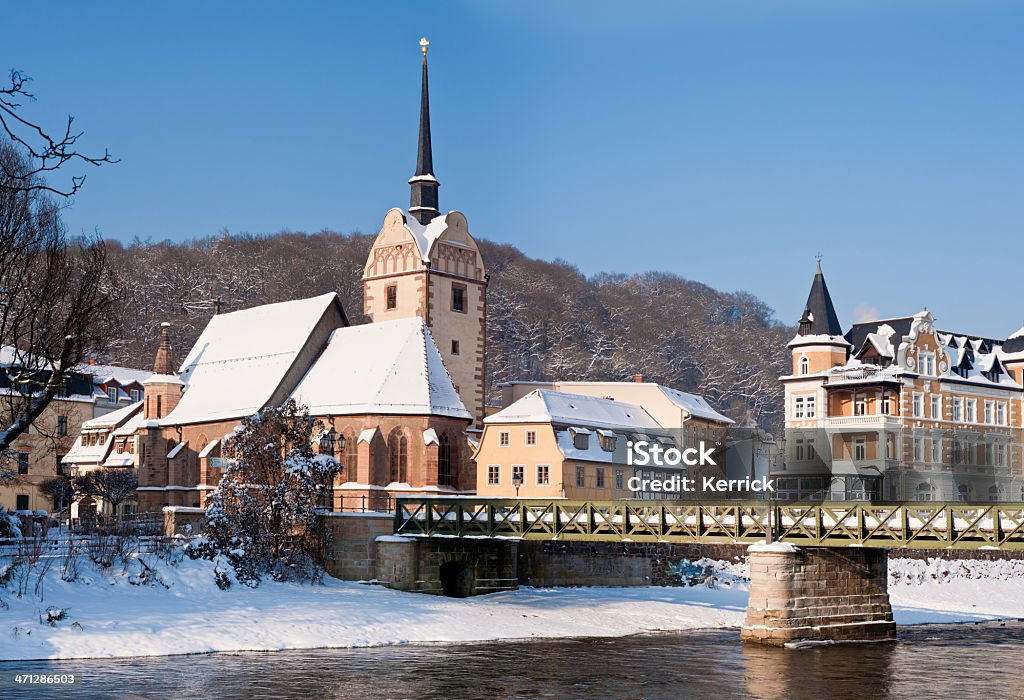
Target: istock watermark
{"type": "Point", "coordinates": [644, 453]}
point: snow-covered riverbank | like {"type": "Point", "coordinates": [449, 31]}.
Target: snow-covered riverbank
{"type": "Point", "coordinates": [180, 610]}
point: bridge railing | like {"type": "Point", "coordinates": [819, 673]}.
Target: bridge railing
{"type": "Point", "coordinates": [915, 525]}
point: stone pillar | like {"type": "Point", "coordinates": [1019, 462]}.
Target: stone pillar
{"type": "Point", "coordinates": [818, 593]}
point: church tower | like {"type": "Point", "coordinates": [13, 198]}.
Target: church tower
{"type": "Point", "coordinates": [424, 263]}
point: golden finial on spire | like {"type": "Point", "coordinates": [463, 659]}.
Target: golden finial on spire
{"type": "Point", "coordinates": [424, 45]}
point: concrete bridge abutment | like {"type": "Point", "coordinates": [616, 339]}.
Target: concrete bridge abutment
{"type": "Point", "coordinates": [831, 594]}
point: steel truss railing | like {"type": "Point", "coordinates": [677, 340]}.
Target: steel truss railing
{"type": "Point", "coordinates": [914, 525]}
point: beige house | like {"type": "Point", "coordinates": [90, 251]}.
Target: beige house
{"type": "Point", "coordinates": [37, 456]}
{"type": "Point", "coordinates": [571, 439]}
{"type": "Point", "coordinates": [105, 442]}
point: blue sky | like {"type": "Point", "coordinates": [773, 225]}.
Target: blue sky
{"type": "Point", "coordinates": [727, 142]}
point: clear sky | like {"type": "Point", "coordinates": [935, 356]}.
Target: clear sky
{"type": "Point", "coordinates": [727, 142]}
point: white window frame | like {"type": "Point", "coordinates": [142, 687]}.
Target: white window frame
{"type": "Point", "coordinates": [860, 450]}
{"type": "Point", "coordinates": [504, 438]}
{"type": "Point", "coordinates": [798, 408]}
{"type": "Point", "coordinates": [918, 409]}
{"type": "Point", "coordinates": [531, 438]}
{"type": "Point", "coordinates": [546, 481]}
{"type": "Point", "coordinates": [811, 407]}
{"type": "Point", "coordinates": [937, 407]}
{"type": "Point", "coordinates": [494, 474]}
{"type": "Point", "coordinates": [804, 366]}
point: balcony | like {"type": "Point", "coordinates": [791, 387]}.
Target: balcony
{"type": "Point", "coordinates": [874, 421]}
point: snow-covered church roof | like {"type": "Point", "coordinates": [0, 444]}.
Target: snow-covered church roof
{"type": "Point", "coordinates": [392, 367]}
{"type": "Point", "coordinates": [242, 357]}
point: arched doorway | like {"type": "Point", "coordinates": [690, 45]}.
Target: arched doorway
{"type": "Point", "coordinates": [456, 579]}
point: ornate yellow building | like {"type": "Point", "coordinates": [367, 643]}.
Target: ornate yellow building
{"type": "Point", "coordinates": [897, 409]}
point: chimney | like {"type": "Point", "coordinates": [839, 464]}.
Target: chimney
{"type": "Point", "coordinates": [638, 378]}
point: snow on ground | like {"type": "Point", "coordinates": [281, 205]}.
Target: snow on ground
{"type": "Point", "coordinates": [939, 590]}
{"type": "Point", "coordinates": [180, 610]}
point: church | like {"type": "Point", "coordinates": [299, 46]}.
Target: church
{"type": "Point", "coordinates": [401, 396]}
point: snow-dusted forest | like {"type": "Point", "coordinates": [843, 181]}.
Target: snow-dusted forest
{"type": "Point", "coordinates": [545, 319]}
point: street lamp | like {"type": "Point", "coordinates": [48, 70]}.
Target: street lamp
{"type": "Point", "coordinates": [517, 481]}
{"type": "Point", "coordinates": [329, 440]}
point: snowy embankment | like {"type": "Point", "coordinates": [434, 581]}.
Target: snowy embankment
{"type": "Point", "coordinates": [176, 608]}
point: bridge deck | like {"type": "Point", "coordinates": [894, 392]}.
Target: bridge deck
{"type": "Point", "coordinates": [918, 525]}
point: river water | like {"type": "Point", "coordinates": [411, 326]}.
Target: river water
{"type": "Point", "coordinates": [948, 661]}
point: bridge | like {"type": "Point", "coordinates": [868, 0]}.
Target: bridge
{"type": "Point", "coordinates": [824, 575]}
{"type": "Point", "coordinates": [927, 525]}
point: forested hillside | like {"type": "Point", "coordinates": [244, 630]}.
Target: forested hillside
{"type": "Point", "coordinates": [545, 319]}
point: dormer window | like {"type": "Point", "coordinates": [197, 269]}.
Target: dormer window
{"type": "Point", "coordinates": [112, 394]}
{"type": "Point", "coordinates": [580, 438]}
{"type": "Point", "coordinates": [607, 440]}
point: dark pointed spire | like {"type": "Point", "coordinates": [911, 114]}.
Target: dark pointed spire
{"type": "Point", "coordinates": [423, 198]}
{"type": "Point", "coordinates": [164, 362]}
{"type": "Point", "coordinates": [819, 316]}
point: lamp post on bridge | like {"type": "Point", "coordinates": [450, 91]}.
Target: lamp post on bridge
{"type": "Point", "coordinates": [517, 481]}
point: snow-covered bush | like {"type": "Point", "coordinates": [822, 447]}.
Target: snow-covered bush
{"type": "Point", "coordinates": [10, 525]}
{"type": "Point", "coordinates": [262, 517]}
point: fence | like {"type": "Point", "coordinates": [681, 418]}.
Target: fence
{"type": "Point", "coordinates": [363, 504]}
{"type": "Point", "coordinates": [914, 525]}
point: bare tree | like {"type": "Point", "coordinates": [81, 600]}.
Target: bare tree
{"type": "Point", "coordinates": [47, 151]}
{"type": "Point", "coordinates": [115, 486]}
{"type": "Point", "coordinates": [60, 490]}
{"type": "Point", "coordinates": [55, 305]}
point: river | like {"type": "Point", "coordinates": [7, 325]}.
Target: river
{"type": "Point", "coordinates": [947, 661]}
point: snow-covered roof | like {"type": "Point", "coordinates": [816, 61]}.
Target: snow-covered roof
{"type": "Point", "coordinates": [694, 405]}
{"type": "Point", "coordinates": [425, 235]}
{"type": "Point", "coordinates": [112, 419]}
{"type": "Point", "coordinates": [125, 459]}
{"type": "Point", "coordinates": [430, 437]}
{"type": "Point", "coordinates": [122, 375]}
{"type": "Point", "coordinates": [175, 450]}
{"type": "Point", "coordinates": [392, 367]}
{"type": "Point", "coordinates": [549, 406]}
{"type": "Point", "coordinates": [242, 357]}
{"type": "Point", "coordinates": [88, 454]}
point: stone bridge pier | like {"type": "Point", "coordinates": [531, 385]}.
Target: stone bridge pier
{"type": "Point", "coordinates": [818, 593]}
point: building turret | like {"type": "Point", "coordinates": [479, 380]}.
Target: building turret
{"type": "Point", "coordinates": [819, 344]}
{"type": "Point", "coordinates": [163, 388]}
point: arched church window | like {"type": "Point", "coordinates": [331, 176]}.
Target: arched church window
{"type": "Point", "coordinates": [398, 456]}
{"type": "Point", "coordinates": [444, 460]}
{"type": "Point", "coordinates": [351, 457]}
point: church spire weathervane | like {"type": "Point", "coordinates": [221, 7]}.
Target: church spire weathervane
{"type": "Point", "coordinates": [423, 197]}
